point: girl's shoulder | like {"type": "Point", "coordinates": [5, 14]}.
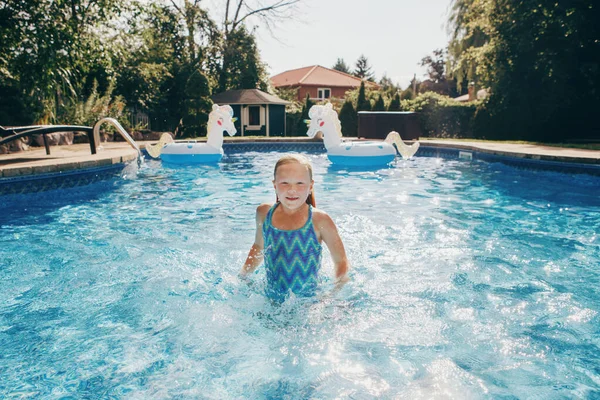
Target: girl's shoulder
{"type": "Point", "coordinates": [263, 209]}
{"type": "Point", "coordinates": [320, 217]}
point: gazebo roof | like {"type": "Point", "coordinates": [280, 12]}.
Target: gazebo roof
{"type": "Point", "coordinates": [247, 96]}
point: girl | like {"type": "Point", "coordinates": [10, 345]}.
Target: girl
{"type": "Point", "coordinates": [289, 233]}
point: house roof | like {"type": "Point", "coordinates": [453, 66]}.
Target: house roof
{"type": "Point", "coordinates": [317, 75]}
{"type": "Point", "coordinates": [246, 96]}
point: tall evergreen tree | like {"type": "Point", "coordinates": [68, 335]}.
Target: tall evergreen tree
{"type": "Point", "coordinates": [363, 69]}
{"type": "Point", "coordinates": [395, 103]}
{"type": "Point", "coordinates": [308, 103]}
{"type": "Point", "coordinates": [349, 120]}
{"type": "Point", "coordinates": [340, 65]}
{"type": "Point", "coordinates": [379, 104]}
{"type": "Point", "coordinates": [362, 103]}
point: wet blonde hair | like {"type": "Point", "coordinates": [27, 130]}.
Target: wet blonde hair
{"type": "Point", "coordinates": [302, 160]}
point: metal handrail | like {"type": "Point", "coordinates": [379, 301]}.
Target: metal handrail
{"type": "Point", "coordinates": [121, 131]}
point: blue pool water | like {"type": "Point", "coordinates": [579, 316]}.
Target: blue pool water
{"type": "Point", "coordinates": [469, 280]}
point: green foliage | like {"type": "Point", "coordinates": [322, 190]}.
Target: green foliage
{"type": "Point", "coordinates": [301, 127]}
{"type": "Point", "coordinates": [349, 120]}
{"type": "Point", "coordinates": [96, 107]}
{"type": "Point", "coordinates": [379, 104]}
{"type": "Point", "coordinates": [388, 87]}
{"type": "Point", "coordinates": [362, 103]}
{"type": "Point", "coordinates": [13, 110]}
{"type": "Point", "coordinates": [436, 65]}
{"type": "Point", "coordinates": [407, 94]}
{"type": "Point", "coordinates": [198, 105]}
{"type": "Point", "coordinates": [340, 65]}
{"type": "Point", "coordinates": [539, 60]}
{"type": "Point", "coordinates": [470, 50]}
{"type": "Point", "coordinates": [53, 60]}
{"type": "Point", "coordinates": [436, 69]}
{"type": "Point", "coordinates": [242, 67]}
{"type": "Point", "coordinates": [395, 103]}
{"type": "Point", "coordinates": [289, 94]}
{"type": "Point", "coordinates": [443, 117]}
{"type": "Point", "coordinates": [141, 84]}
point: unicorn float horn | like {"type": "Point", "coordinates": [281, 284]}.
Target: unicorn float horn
{"type": "Point", "coordinates": [155, 150]}
{"type": "Point", "coordinates": [405, 150]}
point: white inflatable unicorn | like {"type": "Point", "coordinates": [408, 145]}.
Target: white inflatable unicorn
{"type": "Point", "coordinates": [353, 153]}
{"type": "Point", "coordinates": [220, 119]}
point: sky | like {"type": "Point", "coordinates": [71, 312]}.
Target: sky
{"type": "Point", "coordinates": [394, 35]}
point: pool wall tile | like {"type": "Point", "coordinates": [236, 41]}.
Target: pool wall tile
{"type": "Point", "coordinates": [57, 180]}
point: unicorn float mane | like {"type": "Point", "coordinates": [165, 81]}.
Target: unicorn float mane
{"type": "Point", "coordinates": [327, 114]}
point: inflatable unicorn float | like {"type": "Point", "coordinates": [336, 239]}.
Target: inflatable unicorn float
{"type": "Point", "coordinates": [220, 119]}
{"type": "Point", "coordinates": [323, 118]}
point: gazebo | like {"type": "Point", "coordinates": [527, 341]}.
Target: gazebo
{"type": "Point", "coordinates": [258, 113]}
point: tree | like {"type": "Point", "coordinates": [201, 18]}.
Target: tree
{"type": "Point", "coordinates": [199, 28]}
{"type": "Point", "coordinates": [379, 104]}
{"type": "Point", "coordinates": [436, 69]}
{"type": "Point", "coordinates": [308, 103]}
{"type": "Point", "coordinates": [362, 103]}
{"type": "Point", "coordinates": [388, 86]}
{"type": "Point", "coordinates": [198, 103]}
{"type": "Point", "coordinates": [242, 67]}
{"type": "Point", "coordinates": [237, 12]}
{"type": "Point", "coordinates": [395, 103]}
{"type": "Point", "coordinates": [349, 120]}
{"type": "Point", "coordinates": [539, 60]}
{"type": "Point", "coordinates": [436, 65]}
{"type": "Point", "coordinates": [470, 50]}
{"type": "Point", "coordinates": [363, 69]}
{"type": "Point", "coordinates": [51, 61]}
{"type": "Point", "coordinates": [340, 65]}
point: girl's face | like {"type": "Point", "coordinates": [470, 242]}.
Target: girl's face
{"type": "Point", "coordinates": [292, 184]}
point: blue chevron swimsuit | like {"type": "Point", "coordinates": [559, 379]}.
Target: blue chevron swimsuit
{"type": "Point", "coordinates": [292, 258]}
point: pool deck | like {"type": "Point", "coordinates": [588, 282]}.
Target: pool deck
{"type": "Point", "coordinates": [77, 156]}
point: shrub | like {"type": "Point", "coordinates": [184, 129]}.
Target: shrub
{"type": "Point", "coordinates": [442, 116]}
{"type": "Point", "coordinates": [96, 107]}
{"type": "Point", "coordinates": [349, 120]}
{"type": "Point", "coordinates": [395, 103]}
{"type": "Point", "coordinates": [379, 104]}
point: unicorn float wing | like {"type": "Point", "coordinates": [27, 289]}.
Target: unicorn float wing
{"type": "Point", "coordinates": [220, 119]}
{"type": "Point", "coordinates": [323, 118]}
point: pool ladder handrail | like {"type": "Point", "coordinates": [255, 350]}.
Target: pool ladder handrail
{"type": "Point", "coordinates": [121, 131]}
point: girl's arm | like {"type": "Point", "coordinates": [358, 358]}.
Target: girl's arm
{"type": "Point", "coordinates": [255, 255]}
{"type": "Point", "coordinates": [331, 237]}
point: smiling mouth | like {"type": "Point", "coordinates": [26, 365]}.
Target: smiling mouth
{"type": "Point", "coordinates": [292, 198]}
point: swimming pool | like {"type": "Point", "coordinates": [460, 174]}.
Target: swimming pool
{"type": "Point", "coordinates": [469, 280]}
